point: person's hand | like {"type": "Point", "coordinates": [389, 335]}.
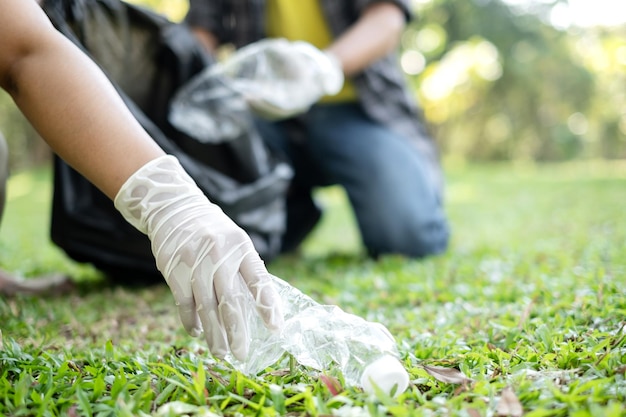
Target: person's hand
{"type": "Point", "coordinates": [216, 276]}
{"type": "Point", "coordinates": [280, 79]}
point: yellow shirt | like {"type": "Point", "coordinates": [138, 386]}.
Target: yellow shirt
{"type": "Point", "coordinates": [304, 20]}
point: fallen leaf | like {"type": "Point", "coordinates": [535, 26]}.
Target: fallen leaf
{"type": "Point", "coordinates": [73, 411]}
{"type": "Point", "coordinates": [472, 412]}
{"type": "Point", "coordinates": [509, 405]}
{"type": "Point", "coordinates": [460, 389]}
{"type": "Point", "coordinates": [447, 375]}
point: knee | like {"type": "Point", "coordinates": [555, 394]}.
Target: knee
{"type": "Point", "coordinates": [427, 240]}
{"type": "Point", "coordinates": [417, 241]}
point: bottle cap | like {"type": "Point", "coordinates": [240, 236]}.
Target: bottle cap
{"type": "Point", "coordinates": [385, 373]}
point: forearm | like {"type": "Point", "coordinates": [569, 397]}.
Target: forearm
{"type": "Point", "coordinates": [99, 136]}
{"type": "Point", "coordinates": [374, 35]}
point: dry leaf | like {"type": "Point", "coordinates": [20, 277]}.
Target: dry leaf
{"type": "Point", "coordinates": [73, 411]}
{"type": "Point", "coordinates": [447, 375]}
{"type": "Point", "coordinates": [472, 412]}
{"type": "Point", "coordinates": [525, 314]}
{"type": "Point", "coordinates": [509, 405]}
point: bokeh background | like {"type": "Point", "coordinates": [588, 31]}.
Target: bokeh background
{"type": "Point", "coordinates": [498, 80]}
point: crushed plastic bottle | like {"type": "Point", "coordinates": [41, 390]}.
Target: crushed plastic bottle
{"type": "Point", "coordinates": [321, 336]}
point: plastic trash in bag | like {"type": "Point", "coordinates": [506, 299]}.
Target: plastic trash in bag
{"type": "Point", "coordinates": [320, 336]}
{"type": "Point", "coordinates": [211, 110]}
{"type": "Point", "coordinates": [277, 78]}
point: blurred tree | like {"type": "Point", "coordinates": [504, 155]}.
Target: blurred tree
{"type": "Point", "coordinates": [497, 82]}
{"type": "Point", "coordinates": [603, 52]}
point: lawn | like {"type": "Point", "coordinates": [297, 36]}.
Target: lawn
{"type": "Point", "coordinates": [526, 310]}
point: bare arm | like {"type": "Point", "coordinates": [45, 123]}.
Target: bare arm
{"type": "Point", "coordinates": [68, 99]}
{"type": "Point", "coordinates": [375, 34]}
{"type": "Point", "coordinates": [79, 113]}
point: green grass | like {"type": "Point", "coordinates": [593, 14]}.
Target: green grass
{"type": "Point", "coordinates": [530, 296]}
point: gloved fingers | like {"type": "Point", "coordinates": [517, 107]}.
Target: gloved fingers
{"type": "Point", "coordinates": [235, 305]}
{"type": "Point", "coordinates": [236, 312]}
{"type": "Point", "coordinates": [190, 320]}
{"type": "Point", "coordinates": [214, 331]}
{"type": "Point", "coordinates": [259, 283]}
{"type": "Point", "coordinates": [202, 281]}
{"type": "Point", "coordinates": [329, 68]}
{"type": "Point", "coordinates": [332, 77]}
{"type": "Point", "coordinates": [183, 297]}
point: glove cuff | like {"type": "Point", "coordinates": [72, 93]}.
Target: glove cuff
{"type": "Point", "coordinates": [158, 184]}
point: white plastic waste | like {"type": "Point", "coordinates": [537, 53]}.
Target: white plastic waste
{"type": "Point", "coordinates": [272, 78]}
{"type": "Point", "coordinates": [321, 336]}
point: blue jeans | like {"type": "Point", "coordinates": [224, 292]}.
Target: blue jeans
{"type": "Point", "coordinates": [395, 192]}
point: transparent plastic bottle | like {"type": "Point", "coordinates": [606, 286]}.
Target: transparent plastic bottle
{"type": "Point", "coordinates": [322, 336]}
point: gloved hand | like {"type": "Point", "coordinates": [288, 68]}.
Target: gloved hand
{"type": "Point", "coordinates": [216, 276]}
{"type": "Point", "coordinates": [280, 78]}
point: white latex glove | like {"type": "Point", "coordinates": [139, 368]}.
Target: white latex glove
{"type": "Point", "coordinates": [216, 276]}
{"type": "Point", "coordinates": [280, 78]}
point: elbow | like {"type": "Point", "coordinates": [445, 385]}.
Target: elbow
{"type": "Point", "coordinates": [395, 18]}
{"type": "Point", "coordinates": [395, 22]}
{"type": "Point", "coordinates": [389, 19]}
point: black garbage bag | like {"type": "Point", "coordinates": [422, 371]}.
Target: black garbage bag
{"type": "Point", "coordinates": [148, 59]}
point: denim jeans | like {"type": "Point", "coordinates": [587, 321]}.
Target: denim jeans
{"type": "Point", "coordinates": [394, 190]}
